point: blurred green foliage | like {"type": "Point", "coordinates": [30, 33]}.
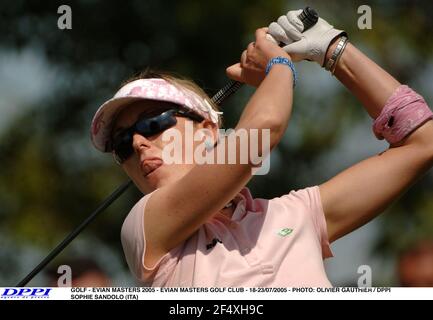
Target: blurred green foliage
{"type": "Point", "coordinates": [51, 178]}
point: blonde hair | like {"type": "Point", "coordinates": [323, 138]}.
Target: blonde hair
{"type": "Point", "coordinates": [178, 82]}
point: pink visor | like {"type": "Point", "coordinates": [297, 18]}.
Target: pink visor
{"type": "Point", "coordinates": [148, 89]}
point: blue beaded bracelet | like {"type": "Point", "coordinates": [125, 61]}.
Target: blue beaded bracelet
{"type": "Point", "coordinates": [287, 62]}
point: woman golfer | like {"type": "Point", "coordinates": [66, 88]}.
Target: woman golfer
{"type": "Point", "coordinates": [198, 224]}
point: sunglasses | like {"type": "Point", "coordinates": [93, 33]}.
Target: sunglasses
{"type": "Point", "coordinates": [147, 127]}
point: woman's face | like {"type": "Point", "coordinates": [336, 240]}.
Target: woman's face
{"type": "Point", "coordinates": [145, 166]}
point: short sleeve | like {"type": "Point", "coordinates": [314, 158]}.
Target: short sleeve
{"type": "Point", "coordinates": [134, 246]}
{"type": "Point", "coordinates": [312, 197]}
{"type": "Point", "coordinates": [309, 198]}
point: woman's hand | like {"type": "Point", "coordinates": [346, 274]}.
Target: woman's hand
{"type": "Point", "coordinates": [311, 45]}
{"type": "Point", "coordinates": [251, 69]}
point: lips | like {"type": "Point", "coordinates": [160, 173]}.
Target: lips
{"type": "Point", "coordinates": [148, 165]}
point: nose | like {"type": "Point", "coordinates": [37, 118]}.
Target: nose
{"type": "Point", "coordinates": [139, 142]}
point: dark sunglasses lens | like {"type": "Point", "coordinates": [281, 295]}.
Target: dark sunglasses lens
{"type": "Point", "coordinates": [122, 146]}
{"type": "Point", "coordinates": [122, 143]}
{"type": "Point", "coordinates": [151, 126]}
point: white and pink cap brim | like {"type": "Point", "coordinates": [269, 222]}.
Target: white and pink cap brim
{"type": "Point", "coordinates": [144, 89]}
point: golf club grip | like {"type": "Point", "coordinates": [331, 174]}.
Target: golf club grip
{"type": "Point", "coordinates": [309, 18]}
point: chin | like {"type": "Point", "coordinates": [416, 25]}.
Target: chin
{"type": "Point", "coordinates": [156, 179]}
{"type": "Point", "coordinates": [161, 177]}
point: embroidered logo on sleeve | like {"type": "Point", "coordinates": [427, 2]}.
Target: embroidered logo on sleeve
{"type": "Point", "coordinates": [285, 232]}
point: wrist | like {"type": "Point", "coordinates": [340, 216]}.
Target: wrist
{"type": "Point", "coordinates": [332, 62]}
{"type": "Point", "coordinates": [282, 54]}
{"type": "Point", "coordinates": [331, 48]}
{"type": "Point", "coordinates": [281, 60]}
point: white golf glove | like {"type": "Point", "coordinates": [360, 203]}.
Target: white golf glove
{"type": "Point", "coordinates": [309, 45]}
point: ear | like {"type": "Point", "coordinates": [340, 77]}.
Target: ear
{"type": "Point", "coordinates": [210, 128]}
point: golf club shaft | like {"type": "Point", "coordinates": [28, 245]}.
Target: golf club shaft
{"type": "Point", "coordinates": [75, 233]}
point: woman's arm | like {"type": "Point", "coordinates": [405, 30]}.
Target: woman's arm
{"type": "Point", "coordinates": [363, 191]}
{"type": "Point", "coordinates": [365, 79]}
{"type": "Point", "coordinates": [176, 211]}
{"type": "Point", "coordinates": [360, 193]}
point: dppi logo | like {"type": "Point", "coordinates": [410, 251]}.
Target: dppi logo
{"type": "Point", "coordinates": [26, 293]}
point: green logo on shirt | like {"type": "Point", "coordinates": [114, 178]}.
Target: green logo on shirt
{"type": "Point", "coordinates": [285, 232]}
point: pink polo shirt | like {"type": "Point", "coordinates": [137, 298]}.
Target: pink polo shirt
{"type": "Point", "coordinates": [266, 243]}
